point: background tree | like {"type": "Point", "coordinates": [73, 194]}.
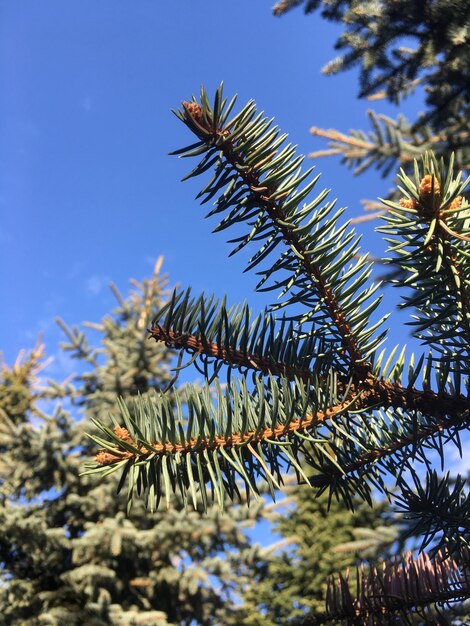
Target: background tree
{"type": "Point", "coordinates": [314, 386]}
{"type": "Point", "coordinates": [326, 538]}
{"type": "Point", "coordinates": [401, 47]}
{"type": "Point", "coordinates": [68, 552]}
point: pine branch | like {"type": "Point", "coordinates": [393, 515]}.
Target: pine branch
{"type": "Point", "coordinates": [392, 142]}
{"type": "Point", "coordinates": [206, 329]}
{"type": "Point", "coordinates": [302, 425]}
{"type": "Point", "coordinates": [372, 37]}
{"type": "Point", "coordinates": [79, 344]}
{"type": "Point", "coordinates": [395, 444]}
{"type": "Point", "coordinates": [283, 6]}
{"type": "Point", "coordinates": [260, 181]}
{"type": "Point", "coordinates": [430, 229]}
{"type": "Point", "coordinates": [437, 508]}
{"type": "Point", "coordinates": [389, 142]}
{"type": "Point", "coordinates": [245, 432]}
{"type": "Point", "coordinates": [232, 358]}
{"type": "Point", "coordinates": [312, 395]}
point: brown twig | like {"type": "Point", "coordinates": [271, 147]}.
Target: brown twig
{"type": "Point", "coordinates": [234, 358]}
{"type": "Point", "coordinates": [372, 394]}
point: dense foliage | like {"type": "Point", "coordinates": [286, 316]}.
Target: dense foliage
{"type": "Point", "coordinates": [304, 387]}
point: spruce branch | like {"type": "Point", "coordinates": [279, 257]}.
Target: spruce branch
{"type": "Point", "coordinates": [20, 387]}
{"type": "Point", "coordinates": [232, 358]}
{"type": "Point", "coordinates": [308, 392]}
{"type": "Point", "coordinates": [303, 425]}
{"type": "Point", "coordinates": [438, 509]}
{"type": "Point", "coordinates": [394, 444]}
{"type": "Point", "coordinates": [429, 232]}
{"type": "Point", "coordinates": [244, 432]}
{"type": "Point", "coordinates": [283, 6]}
{"type": "Point", "coordinates": [372, 37]}
{"type": "Point", "coordinates": [257, 179]}
{"type": "Point", "coordinates": [389, 144]}
{"type": "Point", "coordinates": [390, 141]}
{"type": "Point", "coordinates": [205, 328]}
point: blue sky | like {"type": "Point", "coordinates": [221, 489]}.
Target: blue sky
{"type": "Point", "coordinates": [87, 191]}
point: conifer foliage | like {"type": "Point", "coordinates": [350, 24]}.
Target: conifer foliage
{"type": "Point", "coordinates": [326, 539]}
{"type": "Point", "coordinates": [400, 47]}
{"type": "Point", "coordinates": [316, 392]}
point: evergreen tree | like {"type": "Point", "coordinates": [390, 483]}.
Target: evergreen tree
{"type": "Point", "coordinates": [327, 538]}
{"type": "Point", "coordinates": [69, 555]}
{"type": "Point", "coordinates": [317, 394]}
{"type": "Point", "coordinates": [434, 57]}
{"type": "Point", "coordinates": [401, 46]}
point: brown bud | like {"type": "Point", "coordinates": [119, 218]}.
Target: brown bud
{"type": "Point", "coordinates": [407, 203]}
{"type": "Point", "coordinates": [106, 458]}
{"type": "Point", "coordinates": [429, 197]}
{"type": "Point", "coordinates": [456, 202]}
{"type": "Point", "coordinates": [194, 110]}
{"type": "Point", "coordinates": [429, 185]}
{"type": "Point", "coordinates": [123, 434]}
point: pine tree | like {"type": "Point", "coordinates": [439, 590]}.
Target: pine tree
{"type": "Point", "coordinates": [401, 46]}
{"type": "Point", "coordinates": [326, 538]}
{"type": "Point", "coordinates": [69, 555]}
{"type": "Point", "coordinates": [316, 393]}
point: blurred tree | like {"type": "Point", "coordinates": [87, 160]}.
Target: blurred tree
{"type": "Point", "coordinates": [325, 538]}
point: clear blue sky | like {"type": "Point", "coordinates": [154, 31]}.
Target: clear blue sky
{"type": "Point", "coordinates": [87, 191]}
